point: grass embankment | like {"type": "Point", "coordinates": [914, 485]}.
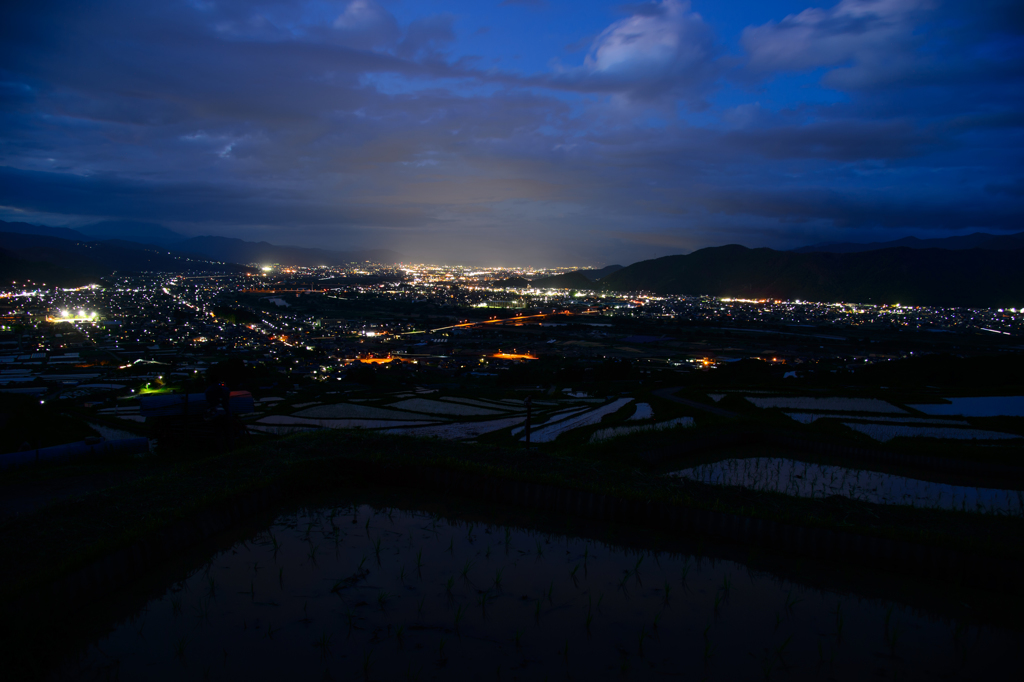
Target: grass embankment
{"type": "Point", "coordinates": [47, 544]}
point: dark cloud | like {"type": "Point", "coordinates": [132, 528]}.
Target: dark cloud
{"type": "Point", "coordinates": [336, 124]}
{"type": "Point", "coordinates": [849, 140]}
{"type": "Point", "coordinates": [189, 202]}
{"type": "Point", "coordinates": [1013, 189]}
{"type": "Point", "coordinates": [872, 44]}
{"type": "Point", "coordinates": [868, 210]}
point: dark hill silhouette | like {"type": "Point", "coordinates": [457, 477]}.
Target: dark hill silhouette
{"type": "Point", "coordinates": [132, 231]}
{"type": "Point", "coordinates": [18, 269]}
{"type": "Point", "coordinates": [568, 280]}
{"type": "Point", "coordinates": [575, 279]}
{"type": "Point", "coordinates": [972, 277]}
{"type": "Point", "coordinates": [37, 257]}
{"type": "Point", "coordinates": [513, 283]}
{"type": "Point", "coordinates": [595, 275]}
{"type": "Point", "coordinates": [223, 249]}
{"type": "Point", "coordinates": [42, 230]}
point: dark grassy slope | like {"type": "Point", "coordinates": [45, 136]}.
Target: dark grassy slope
{"type": "Point", "coordinates": [240, 251]}
{"type": "Point", "coordinates": [67, 260]}
{"type": "Point", "coordinates": [908, 276]}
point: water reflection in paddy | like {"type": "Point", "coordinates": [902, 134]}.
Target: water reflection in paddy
{"type": "Point", "coordinates": [803, 479]}
{"type": "Point", "coordinates": [359, 593]}
{"type": "Point", "coordinates": [987, 406]}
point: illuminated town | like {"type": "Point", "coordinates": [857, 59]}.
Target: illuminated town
{"type": "Point", "coordinates": [314, 324]}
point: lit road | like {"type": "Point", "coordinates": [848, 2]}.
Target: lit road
{"type": "Point", "coordinates": [505, 320]}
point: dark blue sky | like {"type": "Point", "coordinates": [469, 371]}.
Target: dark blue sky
{"type": "Point", "coordinates": [517, 131]}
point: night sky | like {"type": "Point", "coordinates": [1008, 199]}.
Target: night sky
{"type": "Point", "coordinates": [517, 131]}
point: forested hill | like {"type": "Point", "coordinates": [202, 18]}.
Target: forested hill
{"type": "Point", "coordinates": [72, 262]}
{"type": "Point", "coordinates": [973, 277]}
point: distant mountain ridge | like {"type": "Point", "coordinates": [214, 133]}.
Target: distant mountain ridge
{"type": "Point", "coordinates": [41, 230]}
{"type": "Point", "coordinates": [940, 277]}
{"type": "Point", "coordinates": [979, 270]}
{"type": "Point", "coordinates": [133, 231]}
{"type": "Point", "coordinates": [978, 240]}
{"type": "Point", "coordinates": [595, 275]}
{"type": "Point", "coordinates": [74, 262]}
{"type": "Point", "coordinates": [225, 249]}
{"type": "Point", "coordinates": [262, 253]}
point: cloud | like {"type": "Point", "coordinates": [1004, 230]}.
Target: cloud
{"type": "Point", "coordinates": [662, 48]}
{"type": "Point", "coordinates": [425, 36]}
{"type": "Point", "coordinates": [1012, 189]}
{"type": "Point", "coordinates": [855, 210]}
{"type": "Point", "coordinates": [869, 39]}
{"type": "Point", "coordinates": [364, 25]}
{"type": "Point", "coordinates": [841, 140]}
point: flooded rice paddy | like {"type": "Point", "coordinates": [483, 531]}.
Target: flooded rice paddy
{"type": "Point", "coordinates": [989, 406]}
{"type": "Point", "coordinates": [803, 479]}
{"type": "Point", "coordinates": [362, 593]}
{"type": "Point", "coordinates": [618, 431]}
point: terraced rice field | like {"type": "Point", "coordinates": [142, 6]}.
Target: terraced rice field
{"type": "Point", "coordinates": [360, 593]}
{"type": "Point", "coordinates": [281, 419]}
{"type": "Point", "coordinates": [350, 411]}
{"type": "Point", "coordinates": [616, 431]}
{"type": "Point", "coordinates": [487, 404]}
{"type": "Point", "coordinates": [886, 432]}
{"type": "Point", "coordinates": [997, 406]}
{"type": "Point", "coordinates": [446, 408]}
{"type": "Point", "coordinates": [546, 434]}
{"type": "Point", "coordinates": [811, 417]}
{"type": "Point", "coordinates": [872, 405]}
{"type": "Point", "coordinates": [460, 431]}
{"type": "Point", "coordinates": [802, 479]}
